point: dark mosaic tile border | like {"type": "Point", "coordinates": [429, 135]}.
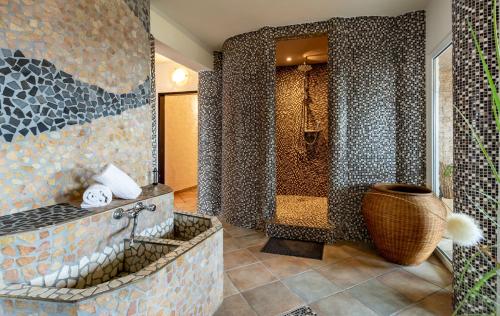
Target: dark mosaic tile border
{"type": "Point", "coordinates": [71, 295]}
{"type": "Point", "coordinates": [36, 97]}
{"type": "Point", "coordinates": [43, 217]}
{"type": "Point", "coordinates": [321, 235]}
{"type": "Point", "coordinates": [40, 217]}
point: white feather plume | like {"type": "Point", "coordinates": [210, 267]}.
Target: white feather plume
{"type": "Point", "coordinates": [463, 230]}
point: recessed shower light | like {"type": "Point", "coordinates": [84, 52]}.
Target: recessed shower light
{"type": "Point", "coordinates": [180, 76]}
{"type": "Point", "coordinates": [289, 59]}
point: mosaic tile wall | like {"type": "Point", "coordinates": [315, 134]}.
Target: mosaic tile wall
{"type": "Point", "coordinates": [386, 147]}
{"type": "Point", "coordinates": [74, 90]}
{"type": "Point", "coordinates": [471, 173]}
{"type": "Point", "coordinates": [210, 138]}
{"type": "Point", "coordinates": [183, 280]}
{"type": "Point", "coordinates": [301, 169]}
{"type": "Point", "coordinates": [42, 253]}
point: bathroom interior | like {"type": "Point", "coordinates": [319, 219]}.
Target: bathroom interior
{"type": "Point", "coordinates": [275, 158]}
{"type": "Point", "coordinates": [302, 132]}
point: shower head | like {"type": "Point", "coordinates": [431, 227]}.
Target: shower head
{"type": "Point", "coordinates": [304, 67]}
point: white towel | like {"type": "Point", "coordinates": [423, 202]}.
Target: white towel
{"type": "Point", "coordinates": [97, 195]}
{"type": "Point", "coordinates": [119, 182]}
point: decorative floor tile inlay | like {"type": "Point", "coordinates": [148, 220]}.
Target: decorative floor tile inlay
{"type": "Point", "coordinates": [40, 217]}
{"type": "Point", "coordinates": [36, 97]}
{"type": "Point", "coordinates": [301, 311]}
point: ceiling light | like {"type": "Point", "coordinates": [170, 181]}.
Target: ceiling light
{"type": "Point", "coordinates": [180, 76]}
{"type": "Point", "coordinates": [289, 59]}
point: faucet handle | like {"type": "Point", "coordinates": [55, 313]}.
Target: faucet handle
{"type": "Point", "coordinates": [117, 214]}
{"type": "Point", "coordinates": [151, 207]}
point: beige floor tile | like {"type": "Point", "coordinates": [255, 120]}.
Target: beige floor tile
{"type": "Point", "coordinates": [236, 231]}
{"type": "Point", "coordinates": [310, 286]}
{"type": "Point", "coordinates": [345, 273]}
{"type": "Point", "coordinates": [229, 288]}
{"type": "Point", "coordinates": [438, 275]}
{"type": "Point", "coordinates": [341, 304]}
{"type": "Point", "coordinates": [379, 297]}
{"type": "Point", "coordinates": [272, 299]}
{"type": "Point", "coordinates": [411, 286]}
{"type": "Point", "coordinates": [235, 305]}
{"type": "Point", "coordinates": [357, 249]}
{"type": "Point", "coordinates": [253, 239]}
{"type": "Point", "coordinates": [374, 265]}
{"type": "Point", "coordinates": [437, 304]}
{"type": "Point", "coordinates": [238, 258]}
{"type": "Point", "coordinates": [230, 244]}
{"type": "Point", "coordinates": [250, 276]}
{"type": "Point", "coordinates": [285, 266]}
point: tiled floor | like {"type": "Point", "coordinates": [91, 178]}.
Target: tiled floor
{"type": "Point", "coordinates": [186, 200]}
{"type": "Point", "coordinates": [350, 280]}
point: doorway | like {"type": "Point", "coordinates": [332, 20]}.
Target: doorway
{"type": "Point", "coordinates": [178, 131]}
{"type": "Point", "coordinates": [301, 100]}
{"type": "Point", "coordinates": [442, 165]}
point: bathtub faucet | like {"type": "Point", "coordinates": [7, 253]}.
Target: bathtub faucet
{"type": "Point", "coordinates": [133, 213]}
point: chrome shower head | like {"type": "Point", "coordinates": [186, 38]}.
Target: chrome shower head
{"type": "Point", "coordinates": [304, 67]}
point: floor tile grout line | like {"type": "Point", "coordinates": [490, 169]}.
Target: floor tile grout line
{"type": "Point", "coordinates": [416, 303]}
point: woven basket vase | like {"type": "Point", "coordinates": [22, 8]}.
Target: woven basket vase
{"type": "Point", "coordinates": [405, 222]}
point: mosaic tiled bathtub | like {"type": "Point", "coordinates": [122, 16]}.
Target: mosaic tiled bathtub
{"type": "Point", "coordinates": [173, 267]}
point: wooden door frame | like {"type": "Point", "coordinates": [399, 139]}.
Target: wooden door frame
{"type": "Point", "coordinates": [161, 130]}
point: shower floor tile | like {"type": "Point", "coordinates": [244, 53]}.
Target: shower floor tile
{"type": "Point", "coordinates": [297, 210]}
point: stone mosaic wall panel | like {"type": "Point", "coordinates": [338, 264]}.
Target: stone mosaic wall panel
{"type": "Point", "coordinates": [365, 146]}
{"type": "Point", "coordinates": [301, 169]}
{"type": "Point", "coordinates": [74, 88]}
{"type": "Point", "coordinates": [180, 283]}
{"type": "Point", "coordinates": [56, 166]}
{"type": "Point", "coordinates": [246, 97]}
{"type": "Point", "coordinates": [100, 42]}
{"type": "Point", "coordinates": [471, 173]}
{"type": "Point", "coordinates": [210, 139]}
{"type": "Point", "coordinates": [46, 251]}
{"type": "Point", "coordinates": [37, 97]}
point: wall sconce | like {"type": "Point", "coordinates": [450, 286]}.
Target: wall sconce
{"type": "Point", "coordinates": [180, 76]}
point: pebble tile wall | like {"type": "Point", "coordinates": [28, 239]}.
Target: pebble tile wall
{"type": "Point", "coordinates": [174, 265]}
{"type": "Point", "coordinates": [185, 281]}
{"type": "Point", "coordinates": [471, 172]}
{"type": "Point", "coordinates": [46, 250]}
{"type": "Point", "coordinates": [365, 146]}
{"type": "Point", "coordinates": [74, 90]}
{"type": "Point", "coordinates": [301, 169]}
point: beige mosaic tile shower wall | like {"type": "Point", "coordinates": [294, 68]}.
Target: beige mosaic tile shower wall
{"type": "Point", "coordinates": [74, 95]}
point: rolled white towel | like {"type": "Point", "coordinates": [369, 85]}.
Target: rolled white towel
{"type": "Point", "coordinates": [119, 182]}
{"type": "Point", "coordinates": [97, 195]}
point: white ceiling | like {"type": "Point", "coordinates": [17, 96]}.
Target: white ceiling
{"type": "Point", "coordinates": [213, 21]}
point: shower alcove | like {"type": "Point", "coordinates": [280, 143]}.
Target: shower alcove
{"type": "Point", "coordinates": [301, 136]}
{"type": "Point", "coordinates": [256, 168]}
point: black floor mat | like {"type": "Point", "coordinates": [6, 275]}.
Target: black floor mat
{"type": "Point", "coordinates": [297, 248]}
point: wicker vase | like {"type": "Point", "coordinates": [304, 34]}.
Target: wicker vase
{"type": "Point", "coordinates": [405, 222]}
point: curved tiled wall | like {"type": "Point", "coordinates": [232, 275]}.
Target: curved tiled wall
{"type": "Point", "coordinates": [74, 94]}
{"type": "Point", "coordinates": [365, 147]}
{"type": "Point", "coordinates": [210, 139]}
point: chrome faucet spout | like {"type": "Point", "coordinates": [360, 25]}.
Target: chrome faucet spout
{"type": "Point", "coordinates": [133, 214]}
